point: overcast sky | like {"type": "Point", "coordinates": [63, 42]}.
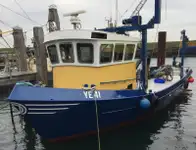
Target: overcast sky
{"type": "Point", "coordinates": [176, 15]}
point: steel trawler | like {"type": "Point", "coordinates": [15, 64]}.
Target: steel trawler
{"type": "Point", "coordinates": [96, 81]}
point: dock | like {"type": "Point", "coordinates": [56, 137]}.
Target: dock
{"type": "Point", "coordinates": [7, 79]}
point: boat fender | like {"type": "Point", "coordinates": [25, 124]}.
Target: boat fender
{"type": "Point", "coordinates": [186, 84]}
{"type": "Point", "coordinates": [159, 80]}
{"type": "Point", "coordinates": [24, 83]}
{"type": "Point", "coordinates": [145, 103]}
{"type": "Point", "coordinates": [190, 79]}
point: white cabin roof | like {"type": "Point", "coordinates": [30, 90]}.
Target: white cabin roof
{"type": "Point", "coordinates": [86, 35]}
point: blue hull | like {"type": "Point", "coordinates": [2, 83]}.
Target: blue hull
{"type": "Point", "coordinates": [63, 114]}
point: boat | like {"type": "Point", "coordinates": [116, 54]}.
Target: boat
{"type": "Point", "coordinates": [97, 83]}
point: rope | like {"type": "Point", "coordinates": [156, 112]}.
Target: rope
{"type": "Point", "coordinates": [18, 13]}
{"type": "Point", "coordinates": [128, 9]}
{"type": "Point", "coordinates": [6, 42]}
{"type": "Point", "coordinates": [22, 10]}
{"type": "Point", "coordinates": [5, 105]}
{"type": "Point", "coordinates": [156, 34]}
{"type": "Point", "coordinates": [97, 119]}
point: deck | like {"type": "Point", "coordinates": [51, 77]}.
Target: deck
{"type": "Point", "coordinates": [155, 87]}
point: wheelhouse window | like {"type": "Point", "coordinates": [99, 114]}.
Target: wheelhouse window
{"type": "Point", "coordinates": [106, 51]}
{"type": "Point", "coordinates": [129, 51]}
{"type": "Point", "coordinates": [53, 55]}
{"type": "Point", "coordinates": [85, 53]}
{"type": "Point", "coordinates": [66, 51]}
{"type": "Point", "coordinates": [118, 52]}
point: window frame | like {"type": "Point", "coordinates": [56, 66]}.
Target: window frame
{"type": "Point", "coordinates": [126, 50]}
{"type": "Point", "coordinates": [55, 44]}
{"type": "Point", "coordinates": [92, 49]}
{"type": "Point", "coordinates": [100, 52]}
{"type": "Point", "coordinates": [122, 52]}
{"type": "Point", "coordinates": [73, 53]}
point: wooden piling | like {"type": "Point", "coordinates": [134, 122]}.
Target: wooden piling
{"type": "Point", "coordinates": [20, 48]}
{"type": "Point", "coordinates": [161, 54]}
{"type": "Point", "coordinates": [40, 53]}
{"type": "Point", "coordinates": [53, 17]}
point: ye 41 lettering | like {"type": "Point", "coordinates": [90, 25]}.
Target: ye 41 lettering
{"type": "Point", "coordinates": [89, 94]}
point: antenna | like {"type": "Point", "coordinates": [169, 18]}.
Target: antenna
{"type": "Point", "coordinates": [116, 11]}
{"type": "Point", "coordinates": [75, 20]}
{"type": "Point", "coordinates": [109, 22]}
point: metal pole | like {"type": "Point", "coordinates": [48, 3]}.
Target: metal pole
{"type": "Point", "coordinates": [143, 55]}
{"type": "Point", "coordinates": [184, 45]}
{"type": "Point", "coordinates": [116, 23]}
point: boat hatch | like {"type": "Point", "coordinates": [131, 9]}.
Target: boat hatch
{"type": "Point", "coordinates": [98, 35]}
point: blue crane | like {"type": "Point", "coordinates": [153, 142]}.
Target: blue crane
{"type": "Point", "coordinates": [134, 23]}
{"type": "Point", "coordinates": [138, 8]}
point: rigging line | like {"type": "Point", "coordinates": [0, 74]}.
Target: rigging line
{"type": "Point", "coordinates": [165, 9]}
{"type": "Point", "coordinates": [6, 42]}
{"type": "Point", "coordinates": [17, 13]}
{"type": "Point", "coordinates": [25, 30]}
{"type": "Point", "coordinates": [22, 9]}
{"type": "Point", "coordinates": [3, 45]}
{"type": "Point", "coordinates": [4, 106]}
{"type": "Point", "coordinates": [156, 35]}
{"type": "Point", "coordinates": [6, 24]}
{"type": "Point", "coordinates": [32, 28]}
{"type": "Point", "coordinates": [128, 9]}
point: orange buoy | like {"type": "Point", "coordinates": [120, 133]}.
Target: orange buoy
{"type": "Point", "coordinates": [190, 79]}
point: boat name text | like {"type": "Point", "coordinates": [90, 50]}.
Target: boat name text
{"type": "Point", "coordinates": [89, 94]}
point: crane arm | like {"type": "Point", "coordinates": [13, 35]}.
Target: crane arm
{"type": "Point", "coordinates": [5, 32]}
{"type": "Point", "coordinates": [138, 8]}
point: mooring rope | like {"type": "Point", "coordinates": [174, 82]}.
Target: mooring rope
{"type": "Point", "coordinates": [97, 117]}
{"type": "Point", "coordinates": [4, 105]}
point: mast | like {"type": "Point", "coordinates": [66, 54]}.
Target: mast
{"type": "Point", "coordinates": [182, 52]}
{"type": "Point", "coordinates": [116, 22]}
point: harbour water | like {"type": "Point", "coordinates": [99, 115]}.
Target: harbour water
{"type": "Point", "coordinates": [173, 129]}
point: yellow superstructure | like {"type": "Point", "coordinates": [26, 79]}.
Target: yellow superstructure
{"type": "Point", "coordinates": [106, 77]}
{"type": "Point", "coordinates": [81, 57]}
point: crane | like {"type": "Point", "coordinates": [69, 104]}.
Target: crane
{"type": "Point", "coordinates": [134, 23]}
{"type": "Point", "coordinates": [138, 8]}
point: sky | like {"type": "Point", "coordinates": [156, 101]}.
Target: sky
{"type": "Point", "coordinates": [176, 16]}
